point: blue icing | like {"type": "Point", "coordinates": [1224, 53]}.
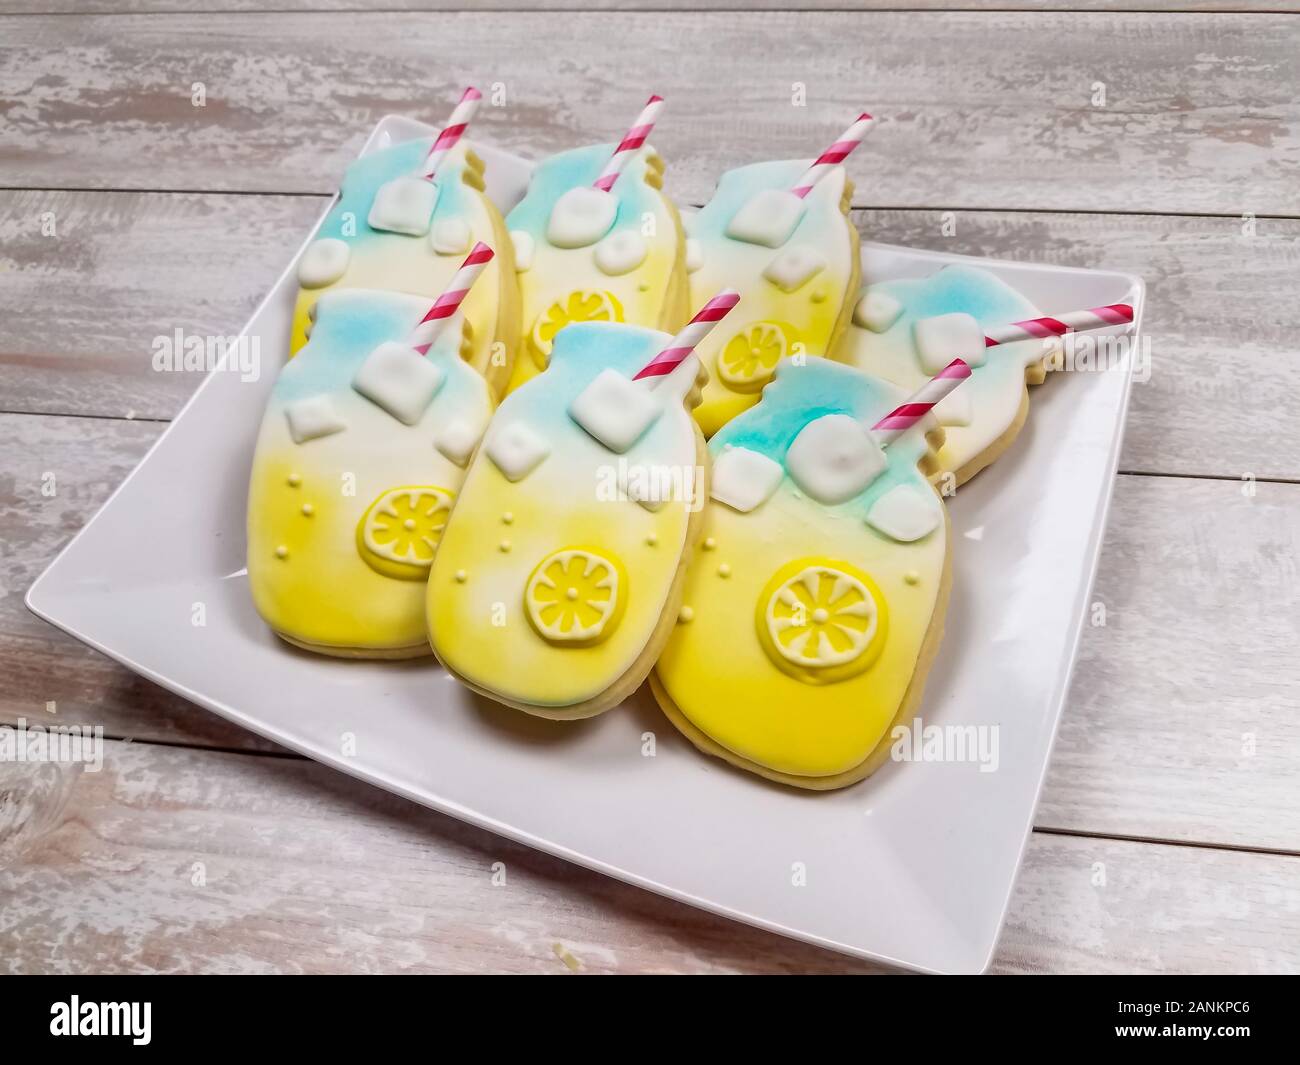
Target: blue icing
{"type": "Point", "coordinates": [737, 186]}
{"type": "Point", "coordinates": [954, 289]}
{"type": "Point", "coordinates": [582, 166]}
{"type": "Point", "coordinates": [800, 394]}
{"type": "Point", "coordinates": [367, 174]}
{"type": "Point", "coordinates": [350, 324]}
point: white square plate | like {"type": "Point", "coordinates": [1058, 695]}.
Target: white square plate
{"type": "Point", "coordinates": [913, 867]}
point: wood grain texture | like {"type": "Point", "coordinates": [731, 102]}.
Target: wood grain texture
{"type": "Point", "coordinates": [180, 861]}
{"type": "Point", "coordinates": [87, 458]}
{"type": "Point", "coordinates": [82, 308]}
{"type": "Point", "coordinates": [1195, 656]}
{"type": "Point", "coordinates": [1200, 115]}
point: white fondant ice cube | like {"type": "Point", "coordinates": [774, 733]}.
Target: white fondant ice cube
{"type": "Point", "coordinates": [743, 479]}
{"type": "Point", "coordinates": [905, 514]}
{"type": "Point", "coordinates": [312, 417]}
{"type": "Point", "coordinates": [323, 263]}
{"type": "Point", "coordinates": [581, 216]}
{"type": "Point", "coordinates": [399, 379]}
{"type": "Point", "coordinates": [876, 311]}
{"type": "Point", "coordinates": [516, 450]}
{"type": "Point", "coordinates": [458, 439]}
{"type": "Point", "coordinates": [524, 249]}
{"type": "Point", "coordinates": [834, 458]}
{"type": "Point", "coordinates": [954, 409]}
{"type": "Point", "coordinates": [945, 337]}
{"type": "Point", "coordinates": [768, 218]}
{"type": "Point", "coordinates": [450, 236]}
{"type": "Point", "coordinates": [795, 267]}
{"type": "Point", "coordinates": [404, 205]}
{"type": "Point", "coordinates": [620, 252]}
{"type": "Point", "coordinates": [694, 255]}
{"type": "Point", "coordinates": [615, 410]}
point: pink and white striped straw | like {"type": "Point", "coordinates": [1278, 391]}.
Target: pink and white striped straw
{"type": "Point", "coordinates": [632, 140]}
{"type": "Point", "coordinates": [452, 132]}
{"type": "Point", "coordinates": [1060, 324]}
{"type": "Point", "coordinates": [422, 337]}
{"type": "Point", "coordinates": [681, 346]}
{"type": "Point", "coordinates": [903, 417]}
{"type": "Point", "coordinates": [834, 155]}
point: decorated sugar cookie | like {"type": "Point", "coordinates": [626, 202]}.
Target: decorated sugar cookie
{"type": "Point", "coordinates": [405, 219]}
{"type": "Point", "coordinates": [362, 450]}
{"type": "Point", "coordinates": [559, 575]}
{"type": "Point", "coordinates": [814, 602]}
{"type": "Point", "coordinates": [779, 232]}
{"type": "Point", "coordinates": [904, 330]}
{"type": "Point", "coordinates": [596, 240]}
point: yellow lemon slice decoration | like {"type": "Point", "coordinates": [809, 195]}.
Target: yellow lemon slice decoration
{"type": "Point", "coordinates": [584, 305]}
{"type": "Point", "coordinates": [399, 532]}
{"type": "Point", "coordinates": [821, 620]}
{"type": "Point", "coordinates": [747, 361]}
{"type": "Point", "coordinates": [575, 597]}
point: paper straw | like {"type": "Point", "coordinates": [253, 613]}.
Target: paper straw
{"type": "Point", "coordinates": [692, 333]}
{"type": "Point", "coordinates": [455, 128]}
{"type": "Point", "coordinates": [834, 155]}
{"type": "Point", "coordinates": [633, 140]}
{"type": "Point", "coordinates": [903, 417]}
{"type": "Point", "coordinates": [1060, 324]}
{"type": "Point", "coordinates": [432, 324]}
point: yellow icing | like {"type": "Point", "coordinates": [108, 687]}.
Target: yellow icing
{"type": "Point", "coordinates": [399, 532]}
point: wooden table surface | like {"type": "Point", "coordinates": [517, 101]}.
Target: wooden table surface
{"type": "Point", "coordinates": [1168, 836]}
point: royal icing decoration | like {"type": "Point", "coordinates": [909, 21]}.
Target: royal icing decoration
{"type": "Point", "coordinates": [744, 479]}
{"type": "Point", "coordinates": [954, 409]}
{"type": "Point", "coordinates": [748, 361]}
{"type": "Point", "coordinates": [516, 450]}
{"type": "Point", "coordinates": [451, 236]}
{"type": "Point", "coordinates": [834, 459]}
{"type": "Point", "coordinates": [769, 217]}
{"type": "Point", "coordinates": [524, 249]}
{"type": "Point", "coordinates": [821, 617]}
{"type": "Point", "coordinates": [459, 439]}
{"type": "Point", "coordinates": [945, 337]}
{"type": "Point", "coordinates": [323, 263]}
{"type": "Point", "coordinates": [573, 596]}
{"type": "Point", "coordinates": [794, 268]}
{"type": "Point", "coordinates": [615, 410]}
{"type": "Point", "coordinates": [402, 528]}
{"type": "Point", "coordinates": [312, 418]}
{"type": "Point", "coordinates": [905, 514]}
{"type": "Point", "coordinates": [620, 252]}
{"type": "Point", "coordinates": [694, 255]}
{"type": "Point", "coordinates": [399, 379]}
{"type": "Point", "coordinates": [581, 217]}
{"type": "Point", "coordinates": [404, 205]}
{"type": "Point", "coordinates": [876, 311]}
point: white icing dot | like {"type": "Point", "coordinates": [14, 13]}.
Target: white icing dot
{"type": "Point", "coordinates": [615, 410]}
{"type": "Point", "coordinates": [621, 252]}
{"type": "Point", "coordinates": [904, 514]}
{"type": "Point", "coordinates": [945, 337]}
{"type": "Point", "coordinates": [525, 247]}
{"type": "Point", "coordinates": [768, 218]}
{"type": "Point", "coordinates": [400, 380]}
{"type": "Point", "coordinates": [404, 205]}
{"type": "Point", "coordinates": [282, 552]}
{"type": "Point", "coordinates": [323, 263]}
{"type": "Point", "coordinates": [312, 417]}
{"type": "Point", "coordinates": [686, 614]}
{"type": "Point", "coordinates": [724, 571]}
{"type": "Point", "coordinates": [795, 267]}
{"type": "Point", "coordinates": [295, 479]}
{"type": "Point", "coordinates": [834, 458]}
{"type": "Point", "coordinates": [450, 236]}
{"type": "Point", "coordinates": [461, 576]}
{"type": "Point", "coordinates": [581, 216]}
{"type": "Point", "coordinates": [743, 479]}
{"type": "Point", "coordinates": [876, 311]}
{"type": "Point", "coordinates": [308, 509]}
{"type": "Point", "coordinates": [504, 546]}
{"type": "Point", "coordinates": [516, 450]}
{"type": "Point", "coordinates": [710, 543]}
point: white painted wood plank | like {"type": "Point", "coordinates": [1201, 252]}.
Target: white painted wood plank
{"type": "Point", "coordinates": [81, 309]}
{"type": "Point", "coordinates": [988, 109]}
{"type": "Point", "coordinates": [179, 861]}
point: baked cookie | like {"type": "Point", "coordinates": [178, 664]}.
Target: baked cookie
{"type": "Point", "coordinates": [559, 575]}
{"type": "Point", "coordinates": [361, 451]}
{"type": "Point", "coordinates": [585, 254]}
{"type": "Point", "coordinates": [795, 263]}
{"type": "Point", "coordinates": [814, 602]}
{"type": "Point", "coordinates": [395, 231]}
